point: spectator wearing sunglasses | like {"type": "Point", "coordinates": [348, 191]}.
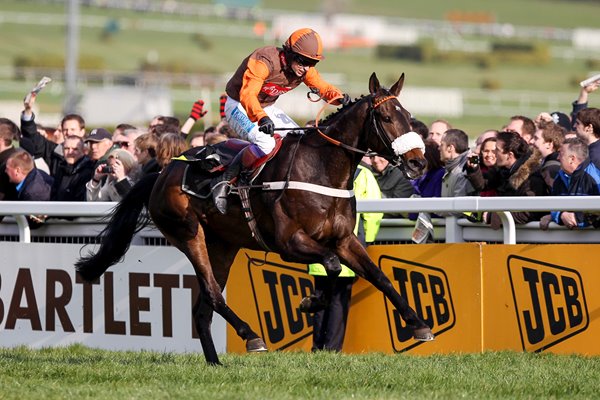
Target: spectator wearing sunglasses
{"type": "Point", "coordinates": [125, 139]}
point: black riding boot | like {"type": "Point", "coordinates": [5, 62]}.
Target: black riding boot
{"type": "Point", "coordinates": [221, 188]}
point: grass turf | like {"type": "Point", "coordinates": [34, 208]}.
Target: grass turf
{"type": "Point", "coordinates": [80, 372]}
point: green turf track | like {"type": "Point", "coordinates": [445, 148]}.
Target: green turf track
{"type": "Point", "coordinates": [80, 373]}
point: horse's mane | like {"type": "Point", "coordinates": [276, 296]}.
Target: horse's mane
{"type": "Point", "coordinates": [331, 117]}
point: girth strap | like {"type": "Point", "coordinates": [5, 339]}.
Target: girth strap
{"type": "Point", "coordinates": [249, 216]}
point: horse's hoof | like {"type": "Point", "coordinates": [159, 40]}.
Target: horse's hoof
{"type": "Point", "coordinates": [256, 345]}
{"type": "Point", "coordinates": [311, 304]}
{"type": "Point", "coordinates": [423, 334]}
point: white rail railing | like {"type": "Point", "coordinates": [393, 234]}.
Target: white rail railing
{"type": "Point", "coordinates": [453, 227]}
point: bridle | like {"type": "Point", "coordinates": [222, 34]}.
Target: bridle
{"type": "Point", "coordinates": [375, 123]}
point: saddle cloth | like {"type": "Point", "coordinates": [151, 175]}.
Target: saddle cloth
{"type": "Point", "coordinates": [207, 162]}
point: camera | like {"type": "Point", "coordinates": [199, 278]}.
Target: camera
{"type": "Point", "coordinates": [474, 160]}
{"type": "Point", "coordinates": [106, 169]}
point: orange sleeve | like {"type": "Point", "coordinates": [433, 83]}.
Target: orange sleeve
{"type": "Point", "coordinates": [326, 90]}
{"type": "Point", "coordinates": [253, 80]}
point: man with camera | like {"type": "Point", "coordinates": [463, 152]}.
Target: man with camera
{"type": "Point", "coordinates": [115, 168]}
{"type": "Point", "coordinates": [112, 180]}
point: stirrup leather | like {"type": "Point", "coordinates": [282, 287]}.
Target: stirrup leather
{"type": "Point", "coordinates": [220, 192]}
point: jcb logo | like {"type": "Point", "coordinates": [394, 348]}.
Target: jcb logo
{"type": "Point", "coordinates": [549, 301]}
{"type": "Point", "coordinates": [278, 290]}
{"type": "Point", "coordinates": [427, 291]}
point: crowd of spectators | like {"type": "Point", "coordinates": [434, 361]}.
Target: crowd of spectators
{"type": "Point", "coordinates": [70, 163]}
{"type": "Point", "coordinates": [552, 153]}
{"type": "Point", "coordinates": [549, 154]}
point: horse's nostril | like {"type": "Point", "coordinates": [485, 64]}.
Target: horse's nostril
{"type": "Point", "coordinates": [417, 163]}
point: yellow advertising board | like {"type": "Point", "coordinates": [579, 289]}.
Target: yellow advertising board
{"type": "Point", "coordinates": [541, 298]}
{"type": "Point", "coordinates": [439, 281]}
{"type": "Point", "coordinates": [266, 292]}
{"type": "Point", "coordinates": [475, 297]}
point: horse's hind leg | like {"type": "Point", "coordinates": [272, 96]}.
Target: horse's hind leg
{"type": "Point", "coordinates": [211, 297]}
{"type": "Point", "coordinates": [202, 313]}
{"type": "Point", "coordinates": [357, 258]}
{"type": "Point", "coordinates": [221, 256]}
{"type": "Point", "coordinates": [203, 308]}
{"type": "Point", "coordinates": [215, 299]}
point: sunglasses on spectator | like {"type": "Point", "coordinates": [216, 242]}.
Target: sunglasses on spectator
{"type": "Point", "coordinates": [123, 144]}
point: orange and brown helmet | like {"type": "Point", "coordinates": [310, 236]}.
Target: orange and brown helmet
{"type": "Point", "coordinates": [307, 43]}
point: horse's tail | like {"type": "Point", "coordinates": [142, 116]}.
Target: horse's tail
{"type": "Point", "coordinates": [125, 221]}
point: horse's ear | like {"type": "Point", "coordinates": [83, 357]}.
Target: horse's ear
{"type": "Point", "coordinates": [374, 85]}
{"type": "Point", "coordinates": [395, 90]}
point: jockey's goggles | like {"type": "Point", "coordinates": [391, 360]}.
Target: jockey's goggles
{"type": "Point", "coordinates": [305, 61]}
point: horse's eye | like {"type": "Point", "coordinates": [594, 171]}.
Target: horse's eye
{"type": "Point", "coordinates": [386, 119]}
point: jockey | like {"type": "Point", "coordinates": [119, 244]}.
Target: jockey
{"type": "Point", "coordinates": [250, 108]}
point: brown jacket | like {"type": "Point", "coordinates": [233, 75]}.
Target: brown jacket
{"type": "Point", "coordinates": [261, 79]}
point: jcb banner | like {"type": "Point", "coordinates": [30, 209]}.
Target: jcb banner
{"type": "Point", "coordinates": [266, 292]}
{"type": "Point", "coordinates": [538, 298]}
{"type": "Point", "coordinates": [475, 297]}
{"type": "Point", "coordinates": [427, 289]}
{"type": "Point", "coordinates": [438, 281]}
{"type": "Point", "coordinates": [549, 300]}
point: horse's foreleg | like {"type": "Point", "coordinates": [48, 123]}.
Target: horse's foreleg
{"type": "Point", "coordinates": [303, 247]}
{"type": "Point", "coordinates": [354, 254]}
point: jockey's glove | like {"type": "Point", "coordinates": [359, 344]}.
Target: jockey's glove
{"type": "Point", "coordinates": [198, 110]}
{"type": "Point", "coordinates": [266, 125]}
{"type": "Point", "coordinates": [345, 100]}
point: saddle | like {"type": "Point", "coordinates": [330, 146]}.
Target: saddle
{"type": "Point", "coordinates": [207, 162]}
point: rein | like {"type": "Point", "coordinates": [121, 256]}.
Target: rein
{"type": "Point", "coordinates": [376, 125]}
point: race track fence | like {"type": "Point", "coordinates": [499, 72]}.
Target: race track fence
{"type": "Point", "coordinates": [80, 222]}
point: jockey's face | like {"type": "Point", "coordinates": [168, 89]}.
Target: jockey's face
{"type": "Point", "coordinates": [300, 65]}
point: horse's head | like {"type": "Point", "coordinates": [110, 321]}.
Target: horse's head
{"type": "Point", "coordinates": [393, 138]}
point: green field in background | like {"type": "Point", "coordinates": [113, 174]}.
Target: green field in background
{"type": "Point", "coordinates": [551, 13]}
{"type": "Point", "coordinates": [128, 48]}
{"type": "Point", "coordinates": [215, 54]}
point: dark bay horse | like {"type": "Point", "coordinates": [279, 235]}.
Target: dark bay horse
{"type": "Point", "coordinates": [302, 225]}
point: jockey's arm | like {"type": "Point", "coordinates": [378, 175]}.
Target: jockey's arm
{"type": "Point", "coordinates": [253, 80]}
{"type": "Point", "coordinates": [326, 90]}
